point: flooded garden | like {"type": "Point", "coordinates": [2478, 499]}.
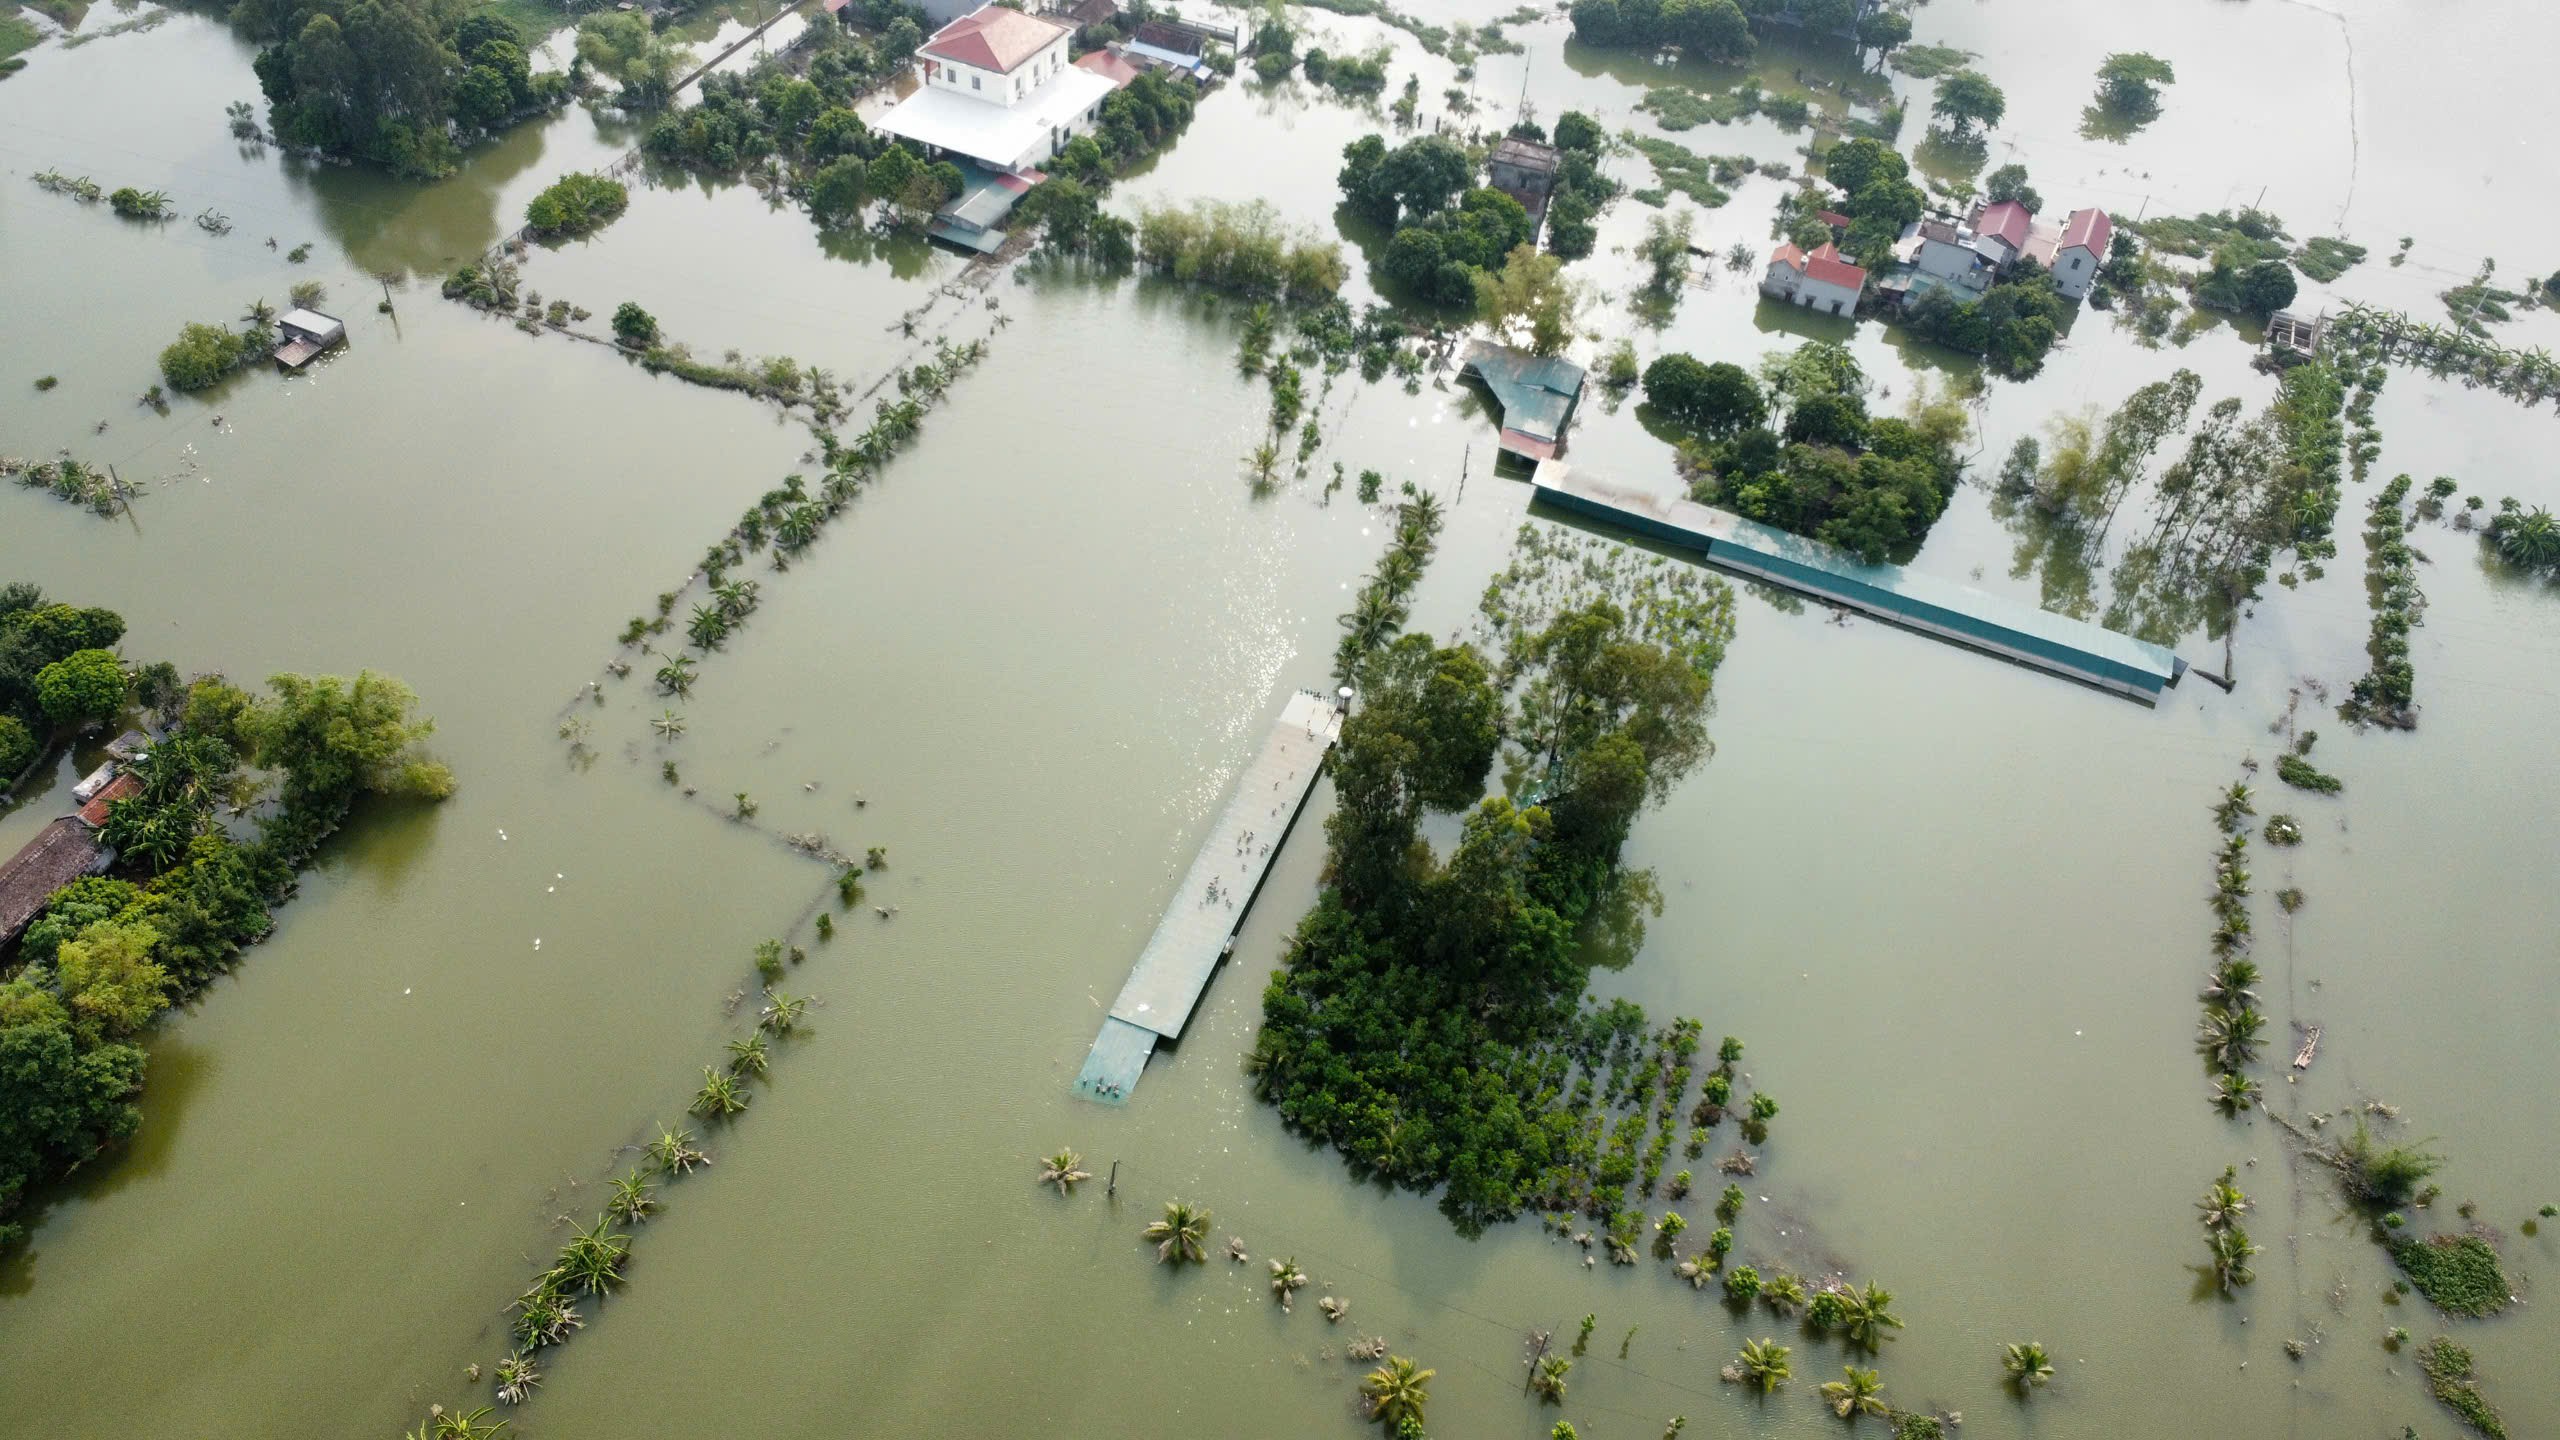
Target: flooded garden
{"type": "Point", "coordinates": [838, 643]}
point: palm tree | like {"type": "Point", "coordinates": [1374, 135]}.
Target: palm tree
{"type": "Point", "coordinates": [517, 1379]}
{"type": "Point", "coordinates": [1397, 1390]}
{"type": "Point", "coordinates": [1698, 1269]}
{"type": "Point", "coordinates": [1548, 1380]}
{"type": "Point", "coordinates": [1762, 1364]}
{"type": "Point", "coordinates": [2223, 1204]}
{"type": "Point", "coordinates": [1624, 1235]}
{"type": "Point", "coordinates": [260, 314]}
{"type": "Point", "coordinates": [669, 725]}
{"type": "Point", "coordinates": [1180, 1235]}
{"type": "Point", "coordinates": [1866, 1315]}
{"type": "Point", "coordinates": [707, 628]}
{"type": "Point", "coordinates": [747, 1057]}
{"type": "Point", "coordinates": [1286, 1277]}
{"type": "Point", "coordinates": [1063, 1170]}
{"type": "Point", "coordinates": [469, 1426]}
{"type": "Point", "coordinates": [2233, 1092]}
{"type": "Point", "coordinates": [1859, 1393]}
{"type": "Point", "coordinates": [675, 1153]}
{"type": "Point", "coordinates": [799, 527]}
{"type": "Point", "coordinates": [544, 1316]}
{"type": "Point", "coordinates": [1783, 1293]}
{"type": "Point", "coordinates": [2027, 1364]}
{"type": "Point", "coordinates": [781, 1012]}
{"type": "Point", "coordinates": [2532, 540]}
{"type": "Point", "coordinates": [2230, 1036]}
{"type": "Point", "coordinates": [2232, 983]}
{"type": "Point", "coordinates": [2231, 1251]}
{"type": "Point", "coordinates": [735, 598]}
{"type": "Point", "coordinates": [676, 676]}
{"type": "Point", "coordinates": [721, 1096]}
{"type": "Point", "coordinates": [592, 1260]}
{"type": "Point", "coordinates": [633, 1199]}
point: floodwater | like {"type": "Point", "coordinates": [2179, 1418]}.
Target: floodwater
{"type": "Point", "coordinates": [1955, 908]}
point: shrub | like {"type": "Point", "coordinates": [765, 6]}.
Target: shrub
{"type": "Point", "coordinates": [2301, 774]}
{"type": "Point", "coordinates": [202, 355]}
{"type": "Point", "coordinates": [17, 748]}
{"type": "Point", "coordinates": [2448, 1369]}
{"type": "Point", "coordinates": [634, 326]}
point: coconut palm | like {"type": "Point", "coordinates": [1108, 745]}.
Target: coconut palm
{"type": "Point", "coordinates": [1762, 1364]}
{"type": "Point", "coordinates": [633, 1200]}
{"type": "Point", "coordinates": [1397, 1390]}
{"type": "Point", "coordinates": [735, 598]}
{"type": "Point", "coordinates": [1548, 1379]}
{"type": "Point", "coordinates": [2027, 1364]}
{"type": "Point", "coordinates": [1285, 1278]}
{"type": "Point", "coordinates": [1866, 1315]}
{"type": "Point", "coordinates": [676, 676]}
{"type": "Point", "coordinates": [1698, 1269]}
{"type": "Point", "coordinates": [468, 1425]}
{"type": "Point", "coordinates": [669, 725]}
{"type": "Point", "coordinates": [2231, 983]}
{"type": "Point", "coordinates": [2233, 1092]}
{"type": "Point", "coordinates": [1783, 1293]}
{"type": "Point", "coordinates": [748, 1057]}
{"type": "Point", "coordinates": [2531, 539]}
{"type": "Point", "coordinates": [592, 1260]}
{"type": "Point", "coordinates": [1180, 1235]}
{"type": "Point", "coordinates": [1334, 1308]}
{"type": "Point", "coordinates": [1859, 1392]}
{"type": "Point", "coordinates": [2231, 1251]}
{"type": "Point", "coordinates": [2223, 1204]}
{"type": "Point", "coordinates": [2230, 1035]}
{"type": "Point", "coordinates": [2234, 809]}
{"type": "Point", "coordinates": [544, 1316]}
{"type": "Point", "coordinates": [675, 1153]}
{"type": "Point", "coordinates": [517, 1378]}
{"type": "Point", "coordinates": [721, 1095]}
{"type": "Point", "coordinates": [781, 1012]}
{"type": "Point", "coordinates": [707, 628]}
{"type": "Point", "coordinates": [1063, 1170]}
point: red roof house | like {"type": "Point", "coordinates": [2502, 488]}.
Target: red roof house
{"type": "Point", "coordinates": [1817, 280]}
{"type": "Point", "coordinates": [994, 38]}
{"type": "Point", "coordinates": [125, 786]}
{"type": "Point", "coordinates": [1113, 68]}
{"type": "Point", "coordinates": [2007, 222]}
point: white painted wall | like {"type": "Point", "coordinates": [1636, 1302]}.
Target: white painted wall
{"type": "Point", "coordinates": [2074, 271]}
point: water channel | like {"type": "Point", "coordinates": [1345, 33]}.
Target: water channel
{"type": "Point", "coordinates": [1955, 907]}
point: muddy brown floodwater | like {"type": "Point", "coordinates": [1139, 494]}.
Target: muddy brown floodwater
{"type": "Point", "coordinates": [1956, 908]}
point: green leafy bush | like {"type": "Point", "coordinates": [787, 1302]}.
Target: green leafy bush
{"type": "Point", "coordinates": [2459, 1274]}
{"type": "Point", "coordinates": [576, 204]}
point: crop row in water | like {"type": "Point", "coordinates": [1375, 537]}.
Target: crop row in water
{"type": "Point", "coordinates": [2385, 693]}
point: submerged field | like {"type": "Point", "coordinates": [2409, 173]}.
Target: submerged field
{"type": "Point", "coordinates": [1957, 908]}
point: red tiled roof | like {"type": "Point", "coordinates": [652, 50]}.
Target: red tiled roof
{"type": "Point", "coordinates": [2007, 220]}
{"type": "Point", "coordinates": [992, 37]}
{"type": "Point", "coordinates": [1832, 218]}
{"type": "Point", "coordinates": [1110, 67]}
{"type": "Point", "coordinates": [2089, 228]}
{"type": "Point", "coordinates": [1788, 255]}
{"type": "Point", "coordinates": [94, 814]}
{"type": "Point", "coordinates": [1826, 266]}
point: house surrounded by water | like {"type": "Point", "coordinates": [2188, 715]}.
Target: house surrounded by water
{"type": "Point", "coordinates": [1000, 90]}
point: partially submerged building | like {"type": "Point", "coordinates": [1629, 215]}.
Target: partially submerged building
{"type": "Point", "coordinates": [1537, 394]}
{"type": "Point", "coordinates": [1173, 47]}
{"type": "Point", "coordinates": [1526, 171]}
{"type": "Point", "coordinates": [2038, 638]}
{"type": "Point", "coordinates": [1817, 279]}
{"type": "Point", "coordinates": [302, 336]}
{"type": "Point", "coordinates": [998, 92]}
{"type": "Point", "coordinates": [62, 852]}
{"type": "Point", "coordinates": [1968, 257]}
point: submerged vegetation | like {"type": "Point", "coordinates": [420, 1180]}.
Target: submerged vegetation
{"type": "Point", "coordinates": [2385, 693]}
{"type": "Point", "coordinates": [2449, 1378]}
{"type": "Point", "coordinates": [2459, 1274]}
{"type": "Point", "coordinates": [69, 479]}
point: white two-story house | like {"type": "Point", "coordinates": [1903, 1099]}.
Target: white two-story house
{"type": "Point", "coordinates": [999, 88]}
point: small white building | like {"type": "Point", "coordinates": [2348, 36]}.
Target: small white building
{"type": "Point", "coordinates": [999, 89]}
{"type": "Point", "coordinates": [1818, 279]}
{"type": "Point", "coordinates": [301, 335]}
{"type": "Point", "coordinates": [2081, 250]}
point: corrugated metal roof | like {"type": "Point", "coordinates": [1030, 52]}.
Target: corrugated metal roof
{"type": "Point", "coordinates": [1536, 392]}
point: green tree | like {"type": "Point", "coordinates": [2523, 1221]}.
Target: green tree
{"type": "Point", "coordinates": [110, 983]}
{"type": "Point", "coordinates": [894, 172]}
{"type": "Point", "coordinates": [1529, 289]}
{"type": "Point", "coordinates": [18, 749]}
{"type": "Point", "coordinates": [634, 326]}
{"type": "Point", "coordinates": [1968, 98]}
{"type": "Point", "coordinates": [334, 738]}
{"type": "Point", "coordinates": [1884, 29]}
{"type": "Point", "coordinates": [84, 688]}
{"type": "Point", "coordinates": [837, 191]}
{"type": "Point", "coordinates": [576, 204]}
{"type": "Point", "coordinates": [1858, 1392]}
{"type": "Point", "coordinates": [622, 46]}
{"type": "Point", "coordinates": [839, 131]}
{"type": "Point", "coordinates": [60, 1100]}
{"type": "Point", "coordinates": [1707, 29]}
{"type": "Point", "coordinates": [2026, 1363]}
{"type": "Point", "coordinates": [1762, 1364]}
{"type": "Point", "coordinates": [2009, 182]}
{"type": "Point", "coordinates": [1181, 1235]}
{"type": "Point", "coordinates": [201, 355]}
{"type": "Point", "coordinates": [2129, 84]}
{"type": "Point", "coordinates": [1853, 165]}
{"type": "Point", "coordinates": [1716, 399]}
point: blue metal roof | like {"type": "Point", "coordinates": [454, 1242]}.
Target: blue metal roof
{"type": "Point", "coordinates": [1536, 392]}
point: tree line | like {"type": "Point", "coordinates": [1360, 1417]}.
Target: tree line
{"type": "Point", "coordinates": [397, 83]}
{"type": "Point", "coordinates": [107, 954]}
